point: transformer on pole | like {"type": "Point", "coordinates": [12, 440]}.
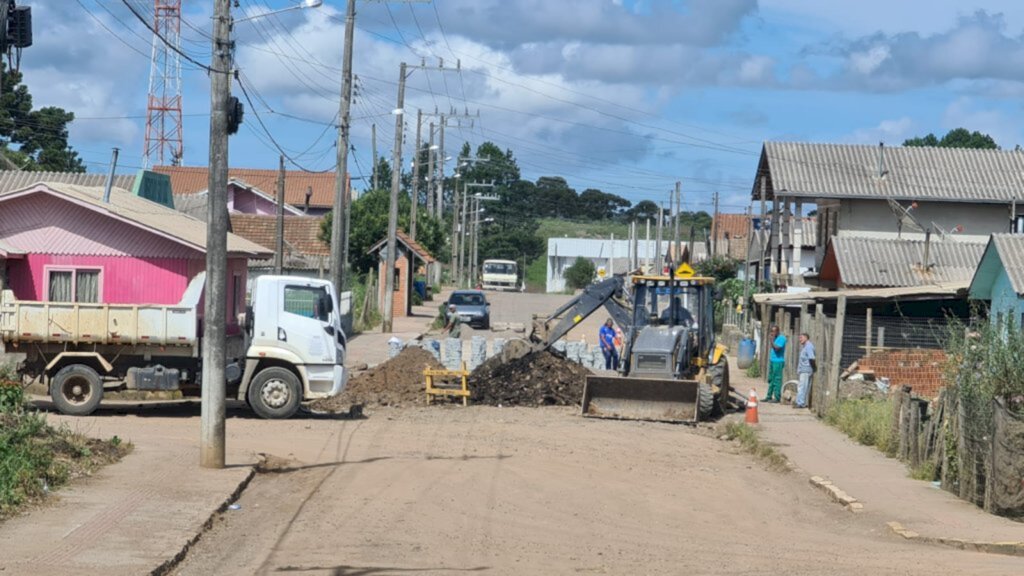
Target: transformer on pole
{"type": "Point", "coordinates": [164, 144]}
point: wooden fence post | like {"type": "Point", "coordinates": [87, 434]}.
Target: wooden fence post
{"type": "Point", "coordinates": [837, 348]}
{"type": "Point", "coordinates": [867, 335]}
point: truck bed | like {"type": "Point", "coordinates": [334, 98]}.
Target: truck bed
{"type": "Point", "coordinates": [68, 322]}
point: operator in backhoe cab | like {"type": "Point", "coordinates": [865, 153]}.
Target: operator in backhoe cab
{"type": "Point", "coordinates": [682, 315]}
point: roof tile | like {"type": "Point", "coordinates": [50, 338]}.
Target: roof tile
{"type": "Point", "coordinates": [193, 179]}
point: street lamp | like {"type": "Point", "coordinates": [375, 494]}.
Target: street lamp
{"type": "Point", "coordinates": [300, 6]}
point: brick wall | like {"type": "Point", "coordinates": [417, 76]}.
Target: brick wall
{"type": "Point", "coordinates": [918, 368]}
{"type": "Point", "coordinates": [400, 303]}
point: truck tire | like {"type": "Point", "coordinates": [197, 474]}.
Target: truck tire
{"type": "Point", "coordinates": [76, 390]}
{"type": "Point", "coordinates": [275, 393]}
{"type": "Point", "coordinates": [718, 376]}
{"type": "Point", "coordinates": [705, 402]}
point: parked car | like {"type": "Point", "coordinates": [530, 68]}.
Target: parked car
{"type": "Point", "coordinates": [472, 307]}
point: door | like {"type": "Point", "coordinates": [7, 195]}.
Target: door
{"type": "Point", "coordinates": [306, 329]}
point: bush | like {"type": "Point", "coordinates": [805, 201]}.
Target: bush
{"type": "Point", "coordinates": [866, 420]}
{"type": "Point", "coordinates": [581, 274]}
{"type": "Point", "coordinates": [754, 370]}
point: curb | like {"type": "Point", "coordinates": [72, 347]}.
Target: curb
{"type": "Point", "coordinates": [173, 562]}
{"type": "Point", "coordinates": [836, 494]}
{"type": "Point", "coordinates": [1006, 548]}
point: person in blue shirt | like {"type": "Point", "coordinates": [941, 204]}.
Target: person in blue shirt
{"type": "Point", "coordinates": [776, 362]}
{"type": "Point", "coordinates": [607, 339]}
{"type": "Point", "coordinates": [805, 369]}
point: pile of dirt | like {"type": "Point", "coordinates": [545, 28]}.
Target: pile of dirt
{"type": "Point", "coordinates": [397, 382]}
{"type": "Point", "coordinates": [535, 379]}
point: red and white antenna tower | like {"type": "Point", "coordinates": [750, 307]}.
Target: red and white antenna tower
{"type": "Point", "coordinates": [163, 109]}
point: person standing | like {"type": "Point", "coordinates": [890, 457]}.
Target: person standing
{"type": "Point", "coordinates": [606, 336]}
{"type": "Point", "coordinates": [776, 362]}
{"type": "Point", "coordinates": [805, 369]}
{"type": "Point", "coordinates": [453, 326]}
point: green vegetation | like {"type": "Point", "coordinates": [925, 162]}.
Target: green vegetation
{"type": "Point", "coordinates": [537, 275]}
{"type": "Point", "coordinates": [33, 139]}
{"type": "Point", "coordinates": [752, 443]}
{"type": "Point", "coordinates": [955, 138]}
{"type": "Point", "coordinates": [754, 370]}
{"type": "Point", "coordinates": [35, 457]}
{"type": "Point", "coordinates": [580, 274]}
{"type": "Point", "coordinates": [553, 228]}
{"type": "Point", "coordinates": [365, 314]}
{"type": "Point", "coordinates": [866, 420]}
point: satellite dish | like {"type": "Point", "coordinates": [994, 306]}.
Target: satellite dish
{"type": "Point", "coordinates": [904, 217]}
{"type": "Point", "coordinates": [943, 234]}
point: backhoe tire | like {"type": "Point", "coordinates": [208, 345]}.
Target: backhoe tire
{"type": "Point", "coordinates": [718, 376]}
{"type": "Point", "coordinates": [76, 390]}
{"type": "Point", "coordinates": [705, 402]}
{"type": "Point", "coordinates": [275, 393]}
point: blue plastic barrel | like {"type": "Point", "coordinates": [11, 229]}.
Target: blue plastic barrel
{"type": "Point", "coordinates": [745, 355]}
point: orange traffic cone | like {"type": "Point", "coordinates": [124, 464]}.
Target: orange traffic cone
{"type": "Point", "coordinates": [751, 417]}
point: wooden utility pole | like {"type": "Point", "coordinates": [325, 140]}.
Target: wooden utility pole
{"type": "Point", "coordinates": [211, 441]}
{"type": "Point", "coordinates": [340, 219]}
{"type": "Point", "coordinates": [396, 182]}
{"type": "Point", "coordinates": [373, 146]}
{"type": "Point", "coordinates": [279, 251]}
{"type": "Point", "coordinates": [415, 177]}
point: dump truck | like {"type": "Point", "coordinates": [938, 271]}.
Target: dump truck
{"type": "Point", "coordinates": [672, 369]}
{"type": "Point", "coordinates": [291, 350]}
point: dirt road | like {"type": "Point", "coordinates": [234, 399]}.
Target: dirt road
{"type": "Point", "coordinates": [448, 490]}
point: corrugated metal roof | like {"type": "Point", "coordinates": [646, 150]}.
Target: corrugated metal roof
{"type": "Point", "coordinates": [8, 250]}
{"type": "Point", "coordinates": [909, 173]}
{"type": "Point", "coordinates": [808, 229]}
{"type": "Point", "coordinates": [900, 262]}
{"type": "Point", "coordinates": [942, 289]}
{"type": "Point", "coordinates": [143, 213]}
{"type": "Point", "coordinates": [13, 180]}
{"type": "Point", "coordinates": [1011, 253]}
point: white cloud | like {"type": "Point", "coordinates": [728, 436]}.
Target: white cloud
{"type": "Point", "coordinates": [868, 61]}
{"type": "Point", "coordinates": [892, 132]}
{"type": "Point", "coordinates": [964, 112]}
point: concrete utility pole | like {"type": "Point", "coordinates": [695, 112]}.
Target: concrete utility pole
{"type": "Point", "coordinates": [439, 210]}
{"type": "Point", "coordinates": [658, 261]}
{"type": "Point", "coordinates": [373, 145]}
{"type": "Point", "coordinates": [211, 445]}
{"type": "Point", "coordinates": [430, 171]}
{"type": "Point", "coordinates": [465, 239]}
{"type": "Point", "coordinates": [647, 246]}
{"type": "Point", "coordinates": [714, 229]}
{"type": "Point", "coordinates": [396, 182]}
{"type": "Point", "coordinates": [678, 249]}
{"type": "Point", "coordinates": [279, 252]}
{"type": "Point", "coordinates": [455, 234]}
{"type": "Point", "coordinates": [339, 219]}
{"type": "Point", "coordinates": [415, 177]}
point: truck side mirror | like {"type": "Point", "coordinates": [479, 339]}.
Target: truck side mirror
{"type": "Point", "coordinates": [328, 304]}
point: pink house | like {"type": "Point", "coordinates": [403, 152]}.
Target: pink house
{"type": "Point", "coordinates": [62, 242]}
{"type": "Point", "coordinates": [242, 199]}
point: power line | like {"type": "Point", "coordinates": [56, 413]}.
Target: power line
{"type": "Point", "coordinates": [168, 44]}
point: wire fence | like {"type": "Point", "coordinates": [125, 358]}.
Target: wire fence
{"type": "Point", "coordinates": [891, 332]}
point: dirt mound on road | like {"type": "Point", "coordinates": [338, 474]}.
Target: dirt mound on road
{"type": "Point", "coordinates": [397, 382]}
{"type": "Point", "coordinates": [536, 379]}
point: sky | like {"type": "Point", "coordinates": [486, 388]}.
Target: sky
{"type": "Point", "coordinates": [626, 96]}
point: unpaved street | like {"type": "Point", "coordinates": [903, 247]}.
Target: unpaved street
{"type": "Point", "coordinates": [448, 490]}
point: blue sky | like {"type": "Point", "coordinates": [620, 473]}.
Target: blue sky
{"type": "Point", "coordinates": [624, 96]}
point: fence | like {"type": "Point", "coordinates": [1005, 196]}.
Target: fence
{"type": "Point", "coordinates": [864, 334]}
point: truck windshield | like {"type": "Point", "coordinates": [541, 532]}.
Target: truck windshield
{"type": "Point", "coordinates": [499, 268]}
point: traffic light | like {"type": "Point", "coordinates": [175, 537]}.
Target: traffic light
{"type": "Point", "coordinates": [19, 27]}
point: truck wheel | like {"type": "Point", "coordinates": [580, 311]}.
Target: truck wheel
{"type": "Point", "coordinates": [719, 377]}
{"type": "Point", "coordinates": [76, 390]}
{"type": "Point", "coordinates": [275, 393]}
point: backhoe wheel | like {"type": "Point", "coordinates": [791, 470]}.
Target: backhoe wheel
{"type": "Point", "coordinates": [705, 402]}
{"type": "Point", "coordinates": [275, 393]}
{"type": "Point", "coordinates": [718, 376]}
{"type": "Point", "coordinates": [76, 390]}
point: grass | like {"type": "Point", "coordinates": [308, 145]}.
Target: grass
{"type": "Point", "coordinates": [537, 274]}
{"type": "Point", "coordinates": [558, 228]}
{"type": "Point", "coordinates": [753, 444]}
{"type": "Point", "coordinates": [36, 458]}
{"type": "Point", "coordinates": [866, 420]}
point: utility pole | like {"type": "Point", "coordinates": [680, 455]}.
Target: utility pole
{"type": "Point", "coordinates": [714, 229]}
{"type": "Point", "coordinates": [647, 247]}
{"type": "Point", "coordinates": [455, 233]}
{"type": "Point", "coordinates": [678, 249]}
{"type": "Point", "coordinates": [396, 182]}
{"type": "Point", "coordinates": [211, 445]}
{"type": "Point", "coordinates": [439, 211]}
{"type": "Point", "coordinates": [339, 218]}
{"type": "Point", "coordinates": [373, 139]}
{"type": "Point", "coordinates": [462, 231]}
{"type": "Point", "coordinates": [658, 261]}
{"type": "Point", "coordinates": [430, 172]}
{"type": "Point", "coordinates": [415, 177]}
{"type": "Point", "coordinates": [279, 252]}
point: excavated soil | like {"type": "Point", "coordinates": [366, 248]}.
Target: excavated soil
{"type": "Point", "coordinates": [536, 379]}
{"type": "Point", "coordinates": [397, 382]}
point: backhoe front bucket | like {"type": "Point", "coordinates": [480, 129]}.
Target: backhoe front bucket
{"type": "Point", "coordinates": [660, 400]}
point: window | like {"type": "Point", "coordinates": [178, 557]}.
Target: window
{"type": "Point", "coordinates": [73, 285]}
{"type": "Point", "coordinates": [306, 301]}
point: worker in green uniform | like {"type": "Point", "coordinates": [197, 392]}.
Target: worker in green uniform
{"type": "Point", "coordinates": [776, 362]}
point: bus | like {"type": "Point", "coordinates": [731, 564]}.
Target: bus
{"type": "Point", "coordinates": [500, 275]}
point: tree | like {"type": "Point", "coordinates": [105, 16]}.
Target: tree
{"type": "Point", "coordinates": [34, 139]}
{"type": "Point", "coordinates": [580, 274]}
{"type": "Point", "coordinates": [369, 216]}
{"type": "Point", "coordinates": [555, 198]}
{"type": "Point", "coordinates": [956, 138]}
{"type": "Point", "coordinates": [644, 210]}
{"type": "Point", "coordinates": [721, 268]}
{"type": "Point", "coordinates": [597, 205]}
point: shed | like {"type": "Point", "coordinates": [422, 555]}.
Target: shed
{"type": "Point", "coordinates": [405, 265]}
{"type": "Point", "coordinates": [62, 242]}
{"type": "Point", "coordinates": [999, 278]}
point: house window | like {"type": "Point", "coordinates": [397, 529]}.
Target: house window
{"type": "Point", "coordinates": [73, 285]}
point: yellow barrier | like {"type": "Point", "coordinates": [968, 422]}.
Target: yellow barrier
{"type": "Point", "coordinates": [453, 383]}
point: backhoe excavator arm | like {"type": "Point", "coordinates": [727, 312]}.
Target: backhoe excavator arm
{"type": "Point", "coordinates": [576, 310]}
